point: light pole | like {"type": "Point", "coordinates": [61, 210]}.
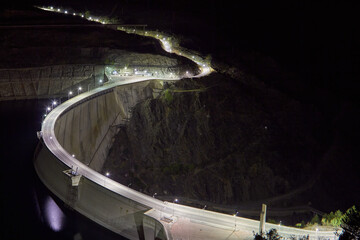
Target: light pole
{"type": "Point", "coordinates": [100, 82]}
{"type": "Point", "coordinates": [53, 104]}
{"type": "Point", "coordinates": [79, 89]}
{"type": "Point", "coordinates": [279, 226]}
{"type": "Point", "coordinates": [175, 201]}
{"type": "Point", "coordinates": [236, 212]}
{"type": "Point", "coordinates": [70, 94]}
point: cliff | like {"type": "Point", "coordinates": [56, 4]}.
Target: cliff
{"type": "Point", "coordinates": [59, 54]}
{"type": "Point", "coordinates": [219, 140]}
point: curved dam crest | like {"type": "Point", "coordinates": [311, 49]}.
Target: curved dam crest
{"type": "Point", "coordinates": [122, 210]}
{"type": "Point", "coordinates": [87, 130]}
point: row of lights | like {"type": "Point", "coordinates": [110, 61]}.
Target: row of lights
{"type": "Point", "coordinates": [165, 41]}
{"type": "Point", "coordinates": [205, 69]}
{"type": "Point", "coordinates": [74, 14]}
{"type": "Point", "coordinates": [70, 93]}
{"type": "Point", "coordinates": [115, 72]}
{"type": "Point", "coordinates": [54, 103]}
{"type": "Point", "coordinates": [48, 109]}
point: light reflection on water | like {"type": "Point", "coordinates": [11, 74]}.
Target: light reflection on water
{"type": "Point", "coordinates": [28, 209]}
{"type": "Point", "coordinates": [54, 216]}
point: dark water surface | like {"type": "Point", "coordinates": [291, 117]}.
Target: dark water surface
{"type": "Point", "coordinates": [28, 209]}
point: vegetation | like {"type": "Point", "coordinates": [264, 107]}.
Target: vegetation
{"type": "Point", "coordinates": [168, 96]}
{"type": "Point", "coordinates": [348, 221]}
{"type": "Point", "coordinates": [350, 224]}
{"type": "Point", "coordinates": [332, 219]}
{"type": "Point", "coordinates": [272, 234]}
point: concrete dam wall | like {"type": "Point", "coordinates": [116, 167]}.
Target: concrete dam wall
{"type": "Point", "coordinates": [86, 130]}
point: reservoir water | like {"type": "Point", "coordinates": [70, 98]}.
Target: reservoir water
{"type": "Point", "coordinates": [28, 209]}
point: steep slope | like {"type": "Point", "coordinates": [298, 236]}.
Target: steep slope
{"type": "Point", "coordinates": [216, 139]}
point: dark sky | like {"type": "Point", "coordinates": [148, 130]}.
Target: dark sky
{"type": "Point", "coordinates": [313, 39]}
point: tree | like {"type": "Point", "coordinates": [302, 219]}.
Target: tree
{"type": "Point", "coordinates": [315, 220]}
{"type": "Point", "coordinates": [350, 225]}
{"type": "Point", "coordinates": [272, 234]}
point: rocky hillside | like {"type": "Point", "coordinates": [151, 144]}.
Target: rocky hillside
{"type": "Point", "coordinates": [219, 140]}
{"type": "Point", "coordinates": [53, 60]}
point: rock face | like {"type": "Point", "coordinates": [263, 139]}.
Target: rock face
{"type": "Point", "coordinates": [51, 61]}
{"type": "Point", "coordinates": [218, 140]}
{"type": "Point", "coordinates": [57, 80]}
{"type": "Point", "coordinates": [25, 83]}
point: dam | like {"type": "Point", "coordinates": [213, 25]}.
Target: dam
{"type": "Point", "coordinates": [75, 139]}
{"type": "Point", "coordinates": [86, 130]}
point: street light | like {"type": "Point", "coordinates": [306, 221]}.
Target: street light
{"type": "Point", "coordinates": [279, 225]}
{"type": "Point", "coordinates": [175, 201]}
{"type": "Point", "coordinates": [53, 104]}
{"type": "Point", "coordinates": [235, 215]}
{"type": "Point", "coordinates": [107, 174]}
{"type": "Point", "coordinates": [70, 94]}
{"type": "Point", "coordinates": [79, 90]}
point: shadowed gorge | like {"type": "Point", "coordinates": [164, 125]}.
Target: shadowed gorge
{"type": "Point", "coordinates": [218, 140]}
